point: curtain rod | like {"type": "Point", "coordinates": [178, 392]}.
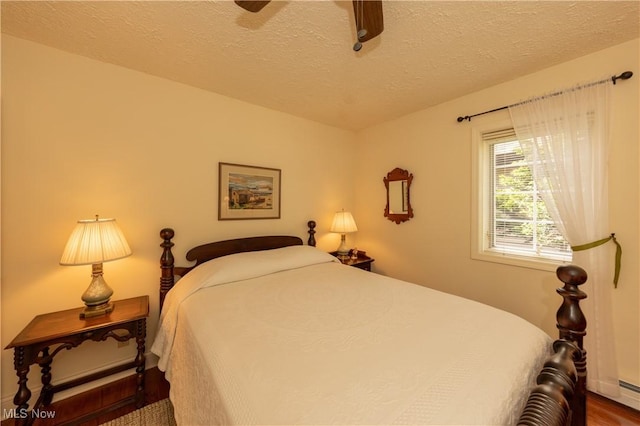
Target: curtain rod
{"type": "Point", "coordinates": [624, 76]}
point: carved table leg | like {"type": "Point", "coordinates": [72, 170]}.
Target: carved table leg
{"type": "Point", "coordinates": [140, 361]}
{"type": "Point", "coordinates": [21, 400]}
{"type": "Point", "coordinates": [45, 366]}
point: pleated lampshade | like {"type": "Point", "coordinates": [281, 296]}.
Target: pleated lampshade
{"type": "Point", "coordinates": [343, 223]}
{"type": "Point", "coordinates": [95, 241]}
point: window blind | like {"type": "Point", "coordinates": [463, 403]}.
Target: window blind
{"type": "Point", "coordinates": [517, 221]}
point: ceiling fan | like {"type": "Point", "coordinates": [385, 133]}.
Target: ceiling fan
{"type": "Point", "coordinates": [368, 14]}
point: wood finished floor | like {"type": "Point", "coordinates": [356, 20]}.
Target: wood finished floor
{"type": "Point", "coordinates": [604, 412]}
{"type": "Point", "coordinates": [600, 411]}
{"type": "Point", "coordinates": [77, 406]}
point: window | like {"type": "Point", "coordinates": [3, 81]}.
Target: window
{"type": "Point", "coordinates": [511, 222]}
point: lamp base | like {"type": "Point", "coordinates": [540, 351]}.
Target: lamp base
{"type": "Point", "coordinates": [343, 250]}
{"type": "Point", "coordinates": [96, 296]}
{"type": "Point", "coordinates": [97, 310]}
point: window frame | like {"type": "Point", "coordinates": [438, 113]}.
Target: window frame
{"type": "Point", "coordinates": [481, 207]}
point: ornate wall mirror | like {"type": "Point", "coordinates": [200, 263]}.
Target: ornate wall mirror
{"type": "Point", "coordinates": [398, 184]}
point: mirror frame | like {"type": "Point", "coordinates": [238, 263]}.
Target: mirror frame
{"type": "Point", "coordinates": [398, 174]}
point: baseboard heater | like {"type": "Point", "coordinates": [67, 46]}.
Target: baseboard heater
{"type": "Point", "coordinates": [629, 386]}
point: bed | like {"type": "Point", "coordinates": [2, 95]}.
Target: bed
{"type": "Point", "coordinates": [266, 330]}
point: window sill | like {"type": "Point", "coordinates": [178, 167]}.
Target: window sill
{"type": "Point", "coordinates": [520, 261]}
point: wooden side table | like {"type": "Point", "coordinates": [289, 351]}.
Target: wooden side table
{"type": "Point", "coordinates": [363, 261]}
{"type": "Point", "coordinates": [48, 334]}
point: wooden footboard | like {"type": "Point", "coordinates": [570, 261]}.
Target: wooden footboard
{"type": "Point", "coordinates": [560, 395]}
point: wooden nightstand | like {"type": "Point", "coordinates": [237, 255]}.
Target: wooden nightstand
{"type": "Point", "coordinates": [363, 261]}
{"type": "Point", "coordinates": [46, 335]}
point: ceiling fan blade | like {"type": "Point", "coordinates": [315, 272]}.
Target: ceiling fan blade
{"type": "Point", "coordinates": [252, 5]}
{"type": "Point", "coordinates": [368, 15]}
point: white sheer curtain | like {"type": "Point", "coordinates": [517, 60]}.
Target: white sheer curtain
{"type": "Point", "coordinates": [566, 135]}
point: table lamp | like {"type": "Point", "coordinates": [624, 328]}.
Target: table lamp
{"type": "Point", "coordinates": [92, 242]}
{"type": "Point", "coordinates": [343, 223]}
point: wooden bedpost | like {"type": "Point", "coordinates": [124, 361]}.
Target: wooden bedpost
{"type": "Point", "coordinates": [572, 326]}
{"type": "Point", "coordinates": [312, 239]}
{"type": "Point", "coordinates": [166, 263]}
{"type": "Point", "coordinates": [560, 396]}
{"type": "Point", "coordinates": [549, 403]}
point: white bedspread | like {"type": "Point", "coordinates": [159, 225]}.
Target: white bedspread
{"type": "Point", "coordinates": [289, 336]}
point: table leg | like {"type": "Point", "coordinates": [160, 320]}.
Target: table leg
{"type": "Point", "coordinates": [21, 400]}
{"type": "Point", "coordinates": [140, 361]}
{"type": "Point", "coordinates": [45, 366]}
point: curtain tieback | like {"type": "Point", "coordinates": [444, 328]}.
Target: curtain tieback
{"type": "Point", "coordinates": [599, 243]}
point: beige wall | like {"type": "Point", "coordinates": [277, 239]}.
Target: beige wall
{"type": "Point", "coordinates": [81, 137]}
{"type": "Point", "coordinates": [433, 249]}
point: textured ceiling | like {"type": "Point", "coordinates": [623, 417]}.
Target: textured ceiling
{"type": "Point", "coordinates": [297, 57]}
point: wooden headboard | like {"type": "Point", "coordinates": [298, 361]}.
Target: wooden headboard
{"type": "Point", "coordinates": [205, 252]}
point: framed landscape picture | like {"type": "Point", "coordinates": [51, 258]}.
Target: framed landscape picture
{"type": "Point", "coordinates": [248, 192]}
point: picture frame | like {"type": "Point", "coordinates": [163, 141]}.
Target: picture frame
{"type": "Point", "coordinates": [248, 192]}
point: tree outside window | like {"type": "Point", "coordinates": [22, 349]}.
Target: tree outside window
{"type": "Point", "coordinates": [519, 220]}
